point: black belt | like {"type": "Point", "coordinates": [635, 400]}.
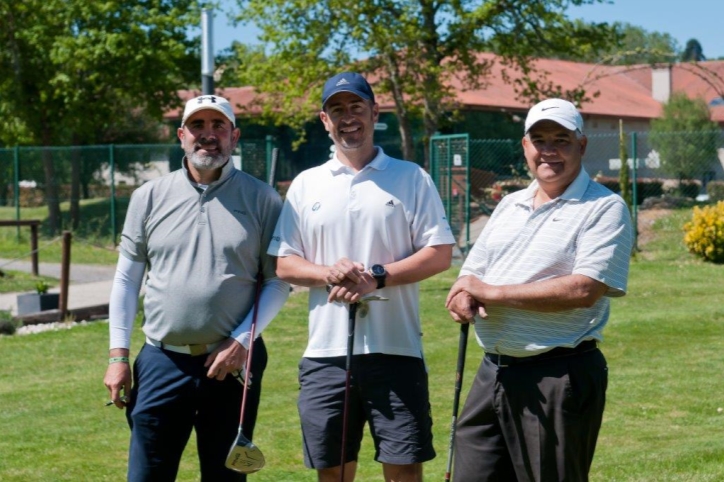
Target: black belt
{"type": "Point", "coordinates": [505, 360]}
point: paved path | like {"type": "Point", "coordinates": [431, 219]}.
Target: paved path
{"type": "Point", "coordinates": [90, 285]}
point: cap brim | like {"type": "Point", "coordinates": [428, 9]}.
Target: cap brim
{"type": "Point", "coordinates": [562, 122]}
{"type": "Point", "coordinates": [357, 93]}
{"type": "Point", "coordinates": [207, 107]}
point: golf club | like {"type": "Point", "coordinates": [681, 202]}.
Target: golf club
{"type": "Point", "coordinates": [462, 346]}
{"type": "Point", "coordinates": [244, 456]}
{"type": "Point", "coordinates": [353, 307]}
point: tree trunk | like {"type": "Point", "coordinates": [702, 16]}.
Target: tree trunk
{"type": "Point", "coordinates": [403, 116]}
{"type": "Point", "coordinates": [51, 193]}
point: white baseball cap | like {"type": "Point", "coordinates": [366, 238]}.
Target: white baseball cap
{"type": "Point", "coordinates": [557, 110]}
{"type": "Point", "coordinates": [208, 102]}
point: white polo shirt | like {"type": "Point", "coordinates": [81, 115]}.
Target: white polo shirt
{"type": "Point", "coordinates": [587, 230]}
{"type": "Point", "coordinates": [384, 213]}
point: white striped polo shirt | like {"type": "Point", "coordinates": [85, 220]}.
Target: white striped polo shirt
{"type": "Point", "coordinates": [587, 230]}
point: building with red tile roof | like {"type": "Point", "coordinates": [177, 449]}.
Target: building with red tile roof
{"type": "Point", "coordinates": [633, 93]}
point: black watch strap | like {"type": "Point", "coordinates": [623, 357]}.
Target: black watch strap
{"type": "Point", "coordinates": [380, 274]}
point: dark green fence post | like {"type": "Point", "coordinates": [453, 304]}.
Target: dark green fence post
{"type": "Point", "coordinates": [16, 190]}
{"type": "Point", "coordinates": [634, 189]}
{"type": "Point", "coordinates": [267, 158]}
{"type": "Point", "coordinates": [112, 163]}
{"type": "Point", "coordinates": [467, 194]}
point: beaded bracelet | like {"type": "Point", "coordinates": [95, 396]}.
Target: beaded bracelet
{"type": "Point", "coordinates": [118, 359]}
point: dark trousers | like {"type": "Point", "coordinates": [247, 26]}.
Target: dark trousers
{"type": "Point", "coordinates": [171, 395]}
{"type": "Point", "coordinates": [535, 421]}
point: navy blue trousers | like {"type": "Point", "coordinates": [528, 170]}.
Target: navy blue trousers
{"type": "Point", "coordinates": [171, 396]}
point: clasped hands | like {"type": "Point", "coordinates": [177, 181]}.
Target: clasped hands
{"type": "Point", "coordinates": [349, 281]}
{"type": "Point", "coordinates": [461, 304]}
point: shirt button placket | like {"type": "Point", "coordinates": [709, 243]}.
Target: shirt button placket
{"type": "Point", "coordinates": [202, 209]}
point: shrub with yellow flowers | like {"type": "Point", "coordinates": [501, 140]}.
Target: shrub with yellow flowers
{"type": "Point", "coordinates": [705, 232]}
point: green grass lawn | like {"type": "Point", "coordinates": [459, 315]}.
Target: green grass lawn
{"type": "Point", "coordinates": [92, 243]}
{"type": "Point", "coordinates": [663, 420]}
{"type": "Point", "coordinates": [17, 281]}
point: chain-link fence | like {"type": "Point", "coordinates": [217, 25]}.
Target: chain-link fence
{"type": "Point", "coordinates": [473, 175]}
{"type": "Point", "coordinates": [87, 188]}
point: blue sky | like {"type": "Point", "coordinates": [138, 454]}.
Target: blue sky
{"type": "Point", "coordinates": [682, 19]}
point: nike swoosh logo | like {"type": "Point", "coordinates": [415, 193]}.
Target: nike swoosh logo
{"type": "Point", "coordinates": [548, 108]}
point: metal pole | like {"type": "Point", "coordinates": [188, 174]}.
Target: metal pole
{"type": "Point", "coordinates": [634, 190]}
{"type": "Point", "coordinates": [467, 193]}
{"type": "Point", "coordinates": [207, 51]}
{"type": "Point", "coordinates": [269, 152]}
{"type": "Point", "coordinates": [448, 188]}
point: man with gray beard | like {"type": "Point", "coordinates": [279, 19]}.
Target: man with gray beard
{"type": "Point", "coordinates": [201, 233]}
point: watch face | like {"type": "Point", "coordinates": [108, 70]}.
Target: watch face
{"type": "Point", "coordinates": [378, 270]}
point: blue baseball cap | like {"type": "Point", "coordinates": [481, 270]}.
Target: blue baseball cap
{"type": "Point", "coordinates": [347, 82]}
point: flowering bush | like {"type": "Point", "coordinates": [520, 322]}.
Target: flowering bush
{"type": "Point", "coordinates": [715, 190]}
{"type": "Point", "coordinates": [705, 233]}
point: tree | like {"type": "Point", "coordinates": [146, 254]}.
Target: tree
{"type": "Point", "coordinates": [413, 51]}
{"type": "Point", "coordinates": [635, 46]}
{"type": "Point", "coordinates": [685, 137]}
{"type": "Point", "coordinates": [70, 69]}
{"type": "Point", "coordinates": [693, 52]}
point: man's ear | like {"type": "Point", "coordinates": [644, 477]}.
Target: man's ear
{"type": "Point", "coordinates": [584, 143]}
{"type": "Point", "coordinates": [325, 118]}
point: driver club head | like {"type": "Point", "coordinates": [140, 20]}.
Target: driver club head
{"type": "Point", "coordinates": [244, 456]}
{"type": "Point", "coordinates": [367, 298]}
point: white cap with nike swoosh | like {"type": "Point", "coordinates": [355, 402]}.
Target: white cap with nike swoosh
{"type": "Point", "coordinates": [557, 110]}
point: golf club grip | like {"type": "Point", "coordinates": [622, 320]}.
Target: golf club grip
{"type": "Point", "coordinates": [273, 168]}
{"type": "Point", "coordinates": [462, 348]}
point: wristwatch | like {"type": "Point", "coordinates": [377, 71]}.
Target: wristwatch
{"type": "Point", "coordinates": [380, 274]}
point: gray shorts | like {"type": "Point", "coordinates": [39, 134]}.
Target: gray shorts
{"type": "Point", "coordinates": [387, 391]}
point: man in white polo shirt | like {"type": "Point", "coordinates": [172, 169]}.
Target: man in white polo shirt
{"type": "Point", "coordinates": [202, 233]}
{"type": "Point", "coordinates": [537, 283]}
{"type": "Point", "coordinates": [362, 222]}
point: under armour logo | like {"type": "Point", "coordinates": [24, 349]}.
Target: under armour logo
{"type": "Point", "coordinates": [342, 82]}
{"type": "Point", "coordinates": [390, 203]}
{"type": "Point", "coordinates": [210, 98]}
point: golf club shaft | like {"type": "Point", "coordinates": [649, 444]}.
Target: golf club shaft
{"type": "Point", "coordinates": [347, 384]}
{"type": "Point", "coordinates": [462, 346]}
{"type": "Point", "coordinates": [250, 352]}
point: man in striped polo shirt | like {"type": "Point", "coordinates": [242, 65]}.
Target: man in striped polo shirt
{"type": "Point", "coordinates": [538, 283]}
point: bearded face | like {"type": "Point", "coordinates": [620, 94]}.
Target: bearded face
{"type": "Point", "coordinates": [207, 154]}
{"type": "Point", "coordinates": [208, 138]}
